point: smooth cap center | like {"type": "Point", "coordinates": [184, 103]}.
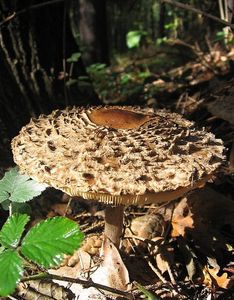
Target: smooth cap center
{"type": "Point", "coordinates": [118, 118]}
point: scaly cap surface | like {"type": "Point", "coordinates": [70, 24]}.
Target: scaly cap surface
{"type": "Point", "coordinates": [118, 155]}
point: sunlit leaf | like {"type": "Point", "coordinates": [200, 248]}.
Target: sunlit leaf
{"type": "Point", "coordinates": [47, 242]}
{"type": "Point", "coordinates": [211, 278]}
{"type": "Point", "coordinates": [11, 266]}
{"type": "Point", "coordinates": [134, 38]}
{"type": "Point", "coordinates": [19, 188]}
{"type": "Point", "coordinates": [12, 230]}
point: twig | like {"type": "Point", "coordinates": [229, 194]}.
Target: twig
{"type": "Point", "coordinates": [172, 278]}
{"type": "Point", "coordinates": [198, 11]}
{"type": "Point", "coordinates": [85, 283]}
{"type": "Point", "coordinates": [157, 272]}
{"type": "Point", "coordinates": [92, 227]}
{"type": "Point", "coordinates": [137, 238]}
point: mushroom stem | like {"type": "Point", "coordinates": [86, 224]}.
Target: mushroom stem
{"type": "Point", "coordinates": [114, 223]}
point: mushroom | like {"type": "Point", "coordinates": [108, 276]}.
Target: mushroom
{"type": "Point", "coordinates": [118, 156]}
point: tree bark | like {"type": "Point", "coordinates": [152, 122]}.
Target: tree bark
{"type": "Point", "coordinates": [162, 14]}
{"type": "Point", "coordinates": [92, 28]}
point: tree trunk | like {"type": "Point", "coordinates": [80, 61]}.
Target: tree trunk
{"type": "Point", "coordinates": [162, 15]}
{"type": "Point", "coordinates": [88, 20]}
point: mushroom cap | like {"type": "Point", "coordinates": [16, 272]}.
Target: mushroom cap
{"type": "Point", "coordinates": [117, 155]}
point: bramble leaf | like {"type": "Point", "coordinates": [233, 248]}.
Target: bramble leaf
{"type": "Point", "coordinates": [47, 242]}
{"type": "Point", "coordinates": [11, 266]}
{"type": "Point", "coordinates": [17, 207]}
{"type": "Point", "coordinates": [19, 188]}
{"type": "Point", "coordinates": [12, 230]}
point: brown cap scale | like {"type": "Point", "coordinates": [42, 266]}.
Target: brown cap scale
{"type": "Point", "coordinates": [117, 155]}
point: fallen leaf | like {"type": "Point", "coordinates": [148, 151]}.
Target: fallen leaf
{"type": "Point", "coordinates": [39, 289]}
{"type": "Point", "coordinates": [112, 271]}
{"type": "Point", "coordinates": [189, 258]}
{"type": "Point", "coordinates": [165, 257]}
{"type": "Point", "coordinates": [211, 278]}
{"type": "Point", "coordinates": [146, 227]}
{"type": "Point", "coordinates": [182, 219]}
{"type": "Point", "coordinates": [91, 294]}
{"type": "Point", "coordinates": [83, 265]}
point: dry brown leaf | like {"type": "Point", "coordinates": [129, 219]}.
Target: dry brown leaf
{"type": "Point", "coordinates": [161, 263]}
{"type": "Point", "coordinates": [112, 271]}
{"type": "Point", "coordinates": [182, 218]}
{"type": "Point", "coordinates": [146, 227]}
{"type": "Point", "coordinates": [77, 270]}
{"type": "Point", "coordinates": [39, 289]}
{"type": "Point", "coordinates": [91, 294]}
{"type": "Point", "coordinates": [180, 224]}
{"type": "Point", "coordinates": [165, 257]}
{"type": "Point", "coordinates": [189, 257]}
{"type": "Point", "coordinates": [211, 278]}
{"type": "Point", "coordinates": [203, 213]}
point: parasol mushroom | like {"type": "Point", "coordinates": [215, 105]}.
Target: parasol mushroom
{"type": "Point", "coordinates": [117, 155]}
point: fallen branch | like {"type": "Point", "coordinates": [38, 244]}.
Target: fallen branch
{"type": "Point", "coordinates": [85, 283]}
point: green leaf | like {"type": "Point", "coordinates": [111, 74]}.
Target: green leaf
{"type": "Point", "coordinates": [144, 75]}
{"type": "Point", "coordinates": [11, 266]}
{"type": "Point", "coordinates": [17, 207]}
{"type": "Point", "coordinates": [19, 188]}
{"type": "Point", "coordinates": [12, 230]}
{"type": "Point", "coordinates": [47, 242]}
{"type": "Point", "coordinates": [74, 57]}
{"type": "Point", "coordinates": [21, 208]}
{"type": "Point", "coordinates": [6, 204]}
{"type": "Point", "coordinates": [134, 38]}
{"type": "Point", "coordinates": [125, 78]}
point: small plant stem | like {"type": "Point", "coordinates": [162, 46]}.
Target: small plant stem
{"type": "Point", "coordinates": [114, 223]}
{"type": "Point", "coordinates": [85, 283]}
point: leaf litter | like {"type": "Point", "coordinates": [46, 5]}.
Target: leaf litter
{"type": "Point", "coordinates": [199, 252]}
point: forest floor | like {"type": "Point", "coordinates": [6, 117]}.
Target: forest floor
{"type": "Point", "coordinates": [182, 250]}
